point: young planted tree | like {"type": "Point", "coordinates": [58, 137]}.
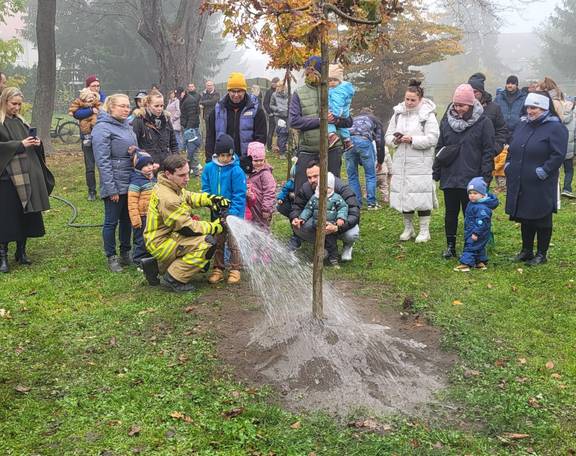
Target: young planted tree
{"type": "Point", "coordinates": [289, 31]}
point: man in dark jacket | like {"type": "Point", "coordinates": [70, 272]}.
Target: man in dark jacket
{"type": "Point", "coordinates": [190, 124]}
{"type": "Point", "coordinates": [269, 114]}
{"type": "Point", "coordinates": [305, 117]}
{"type": "Point", "coordinates": [238, 115]}
{"type": "Point", "coordinates": [347, 233]}
{"type": "Point", "coordinates": [491, 110]}
{"type": "Point", "coordinates": [208, 100]}
{"type": "Point", "coordinates": [511, 102]}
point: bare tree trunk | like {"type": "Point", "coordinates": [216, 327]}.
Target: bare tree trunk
{"type": "Point", "coordinates": [176, 44]}
{"type": "Point", "coordinates": [46, 74]}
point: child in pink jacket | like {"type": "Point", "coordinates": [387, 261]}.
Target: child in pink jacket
{"type": "Point", "coordinates": [262, 187]}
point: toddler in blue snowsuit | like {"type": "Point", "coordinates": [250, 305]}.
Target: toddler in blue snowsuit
{"type": "Point", "coordinates": [477, 225]}
{"type": "Point", "coordinates": [340, 96]}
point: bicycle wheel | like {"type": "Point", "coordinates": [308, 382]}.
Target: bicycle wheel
{"type": "Point", "coordinates": [69, 132]}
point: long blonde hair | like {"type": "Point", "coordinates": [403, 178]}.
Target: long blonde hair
{"type": "Point", "coordinates": [112, 100]}
{"type": "Point", "coordinates": [7, 93]}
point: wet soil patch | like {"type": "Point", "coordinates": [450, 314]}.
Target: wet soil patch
{"type": "Point", "coordinates": [385, 360]}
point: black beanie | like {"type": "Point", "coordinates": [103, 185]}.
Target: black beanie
{"type": "Point", "coordinates": [224, 144]}
{"type": "Point", "coordinates": [477, 81]}
{"type": "Point", "coordinates": [512, 80]}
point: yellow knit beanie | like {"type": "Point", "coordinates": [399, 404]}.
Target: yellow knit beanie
{"type": "Point", "coordinates": [236, 81]}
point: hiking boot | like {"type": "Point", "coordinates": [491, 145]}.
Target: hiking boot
{"type": "Point", "coordinates": [524, 255]}
{"type": "Point", "coordinates": [20, 255]}
{"type": "Point", "coordinates": [234, 277]}
{"type": "Point", "coordinates": [4, 267]}
{"type": "Point", "coordinates": [114, 264]}
{"type": "Point", "coordinates": [450, 251]}
{"type": "Point", "coordinates": [91, 196]}
{"type": "Point", "coordinates": [176, 286]}
{"type": "Point", "coordinates": [462, 268]}
{"type": "Point", "coordinates": [333, 139]}
{"type": "Point", "coordinates": [125, 259]}
{"type": "Point", "coordinates": [347, 252]}
{"type": "Point", "coordinates": [539, 258]}
{"type": "Point", "coordinates": [217, 276]}
{"type": "Point", "coordinates": [150, 268]}
{"type": "Point", "coordinates": [482, 266]}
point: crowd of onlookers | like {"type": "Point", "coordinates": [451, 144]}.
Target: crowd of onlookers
{"type": "Point", "coordinates": [147, 149]}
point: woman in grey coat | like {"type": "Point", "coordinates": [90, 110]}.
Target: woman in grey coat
{"type": "Point", "coordinates": [413, 131]}
{"type": "Point", "coordinates": [112, 141]}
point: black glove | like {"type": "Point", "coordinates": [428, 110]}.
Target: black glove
{"type": "Point", "coordinates": [219, 203]}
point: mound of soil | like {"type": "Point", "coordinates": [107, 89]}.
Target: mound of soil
{"type": "Point", "coordinates": [377, 358]}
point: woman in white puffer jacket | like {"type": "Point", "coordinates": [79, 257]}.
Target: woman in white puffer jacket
{"type": "Point", "coordinates": [413, 131]}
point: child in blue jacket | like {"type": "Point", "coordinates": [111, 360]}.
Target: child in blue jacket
{"type": "Point", "coordinates": [477, 226]}
{"type": "Point", "coordinates": [223, 176]}
{"type": "Point", "coordinates": [340, 96]}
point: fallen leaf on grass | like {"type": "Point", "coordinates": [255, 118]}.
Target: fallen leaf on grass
{"type": "Point", "coordinates": [521, 379]}
{"type": "Point", "coordinates": [468, 373]}
{"type": "Point", "coordinates": [182, 358]}
{"type": "Point", "coordinates": [134, 430]}
{"type": "Point", "coordinates": [112, 423]}
{"type": "Point", "coordinates": [23, 389]}
{"type": "Point", "coordinates": [189, 309]}
{"type": "Point", "coordinates": [514, 435]}
{"type": "Point", "coordinates": [112, 342]}
{"type": "Point", "coordinates": [456, 302]}
{"type": "Point", "coordinates": [549, 365]}
{"type": "Point", "coordinates": [235, 394]}
{"type": "Point", "coordinates": [556, 376]}
{"type": "Point", "coordinates": [177, 415]}
{"type": "Point", "coordinates": [522, 361]}
{"type": "Point", "coordinates": [500, 362]}
{"type": "Point", "coordinates": [490, 286]}
{"type": "Point", "coordinates": [438, 445]}
{"type": "Point", "coordinates": [514, 288]}
{"type": "Point", "coordinates": [233, 412]}
{"type": "Point", "coordinates": [296, 425]}
{"type": "Point", "coordinates": [520, 270]}
{"type": "Point", "coordinates": [533, 402]}
{"type": "Point", "coordinates": [5, 314]}
{"type": "Point", "coordinates": [146, 311]}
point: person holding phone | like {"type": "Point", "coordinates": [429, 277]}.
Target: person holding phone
{"type": "Point", "coordinates": [413, 131]}
{"type": "Point", "coordinates": [25, 182]}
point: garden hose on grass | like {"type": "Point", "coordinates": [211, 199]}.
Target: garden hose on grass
{"type": "Point", "coordinates": [74, 215]}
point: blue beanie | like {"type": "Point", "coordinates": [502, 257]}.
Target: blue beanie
{"type": "Point", "coordinates": [314, 61]}
{"type": "Point", "coordinates": [478, 185]}
{"type": "Point", "coordinates": [224, 144]}
{"type": "Point", "coordinates": [141, 159]}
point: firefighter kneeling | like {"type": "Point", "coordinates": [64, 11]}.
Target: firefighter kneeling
{"type": "Point", "coordinates": [180, 245]}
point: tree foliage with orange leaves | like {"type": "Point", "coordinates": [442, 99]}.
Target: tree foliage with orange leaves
{"type": "Point", "coordinates": [289, 31]}
{"type": "Point", "coordinates": [415, 39]}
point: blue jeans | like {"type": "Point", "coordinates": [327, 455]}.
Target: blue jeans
{"type": "Point", "coordinates": [116, 214]}
{"type": "Point", "coordinates": [282, 139]}
{"type": "Point", "coordinates": [179, 139]}
{"type": "Point", "coordinates": [568, 174]}
{"type": "Point", "coordinates": [362, 154]}
{"type": "Point", "coordinates": [139, 250]}
{"type": "Point", "coordinates": [192, 140]}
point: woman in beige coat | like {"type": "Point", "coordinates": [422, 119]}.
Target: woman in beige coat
{"type": "Point", "coordinates": [413, 131]}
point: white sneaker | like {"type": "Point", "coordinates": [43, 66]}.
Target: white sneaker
{"type": "Point", "coordinates": [347, 252]}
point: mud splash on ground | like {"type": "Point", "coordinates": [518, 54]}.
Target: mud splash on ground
{"type": "Point", "coordinates": [395, 366]}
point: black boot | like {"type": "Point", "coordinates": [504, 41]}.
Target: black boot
{"type": "Point", "coordinates": [524, 255]}
{"type": "Point", "coordinates": [4, 258]}
{"type": "Point", "coordinates": [20, 254]}
{"type": "Point", "coordinates": [450, 251]}
{"type": "Point", "coordinates": [174, 285]}
{"type": "Point", "coordinates": [150, 268]}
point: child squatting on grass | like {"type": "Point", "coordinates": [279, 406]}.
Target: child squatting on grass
{"type": "Point", "coordinates": [477, 226]}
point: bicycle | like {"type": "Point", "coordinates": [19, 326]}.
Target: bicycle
{"type": "Point", "coordinates": [68, 131]}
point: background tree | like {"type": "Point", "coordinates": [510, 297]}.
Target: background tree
{"type": "Point", "coordinates": [46, 75]}
{"type": "Point", "coordinates": [559, 37]}
{"type": "Point", "coordinates": [9, 49]}
{"type": "Point", "coordinates": [415, 39]}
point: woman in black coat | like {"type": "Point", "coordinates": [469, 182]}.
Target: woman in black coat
{"type": "Point", "coordinates": [154, 130]}
{"type": "Point", "coordinates": [25, 182]}
{"type": "Point", "coordinates": [536, 153]}
{"type": "Point", "coordinates": [465, 150]}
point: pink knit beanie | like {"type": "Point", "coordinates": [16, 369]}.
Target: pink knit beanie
{"type": "Point", "coordinates": [257, 151]}
{"type": "Point", "coordinates": [464, 94]}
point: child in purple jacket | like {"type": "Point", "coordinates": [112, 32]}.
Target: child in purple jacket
{"type": "Point", "coordinates": [262, 187]}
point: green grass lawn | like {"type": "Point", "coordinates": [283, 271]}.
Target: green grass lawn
{"type": "Point", "coordinates": [94, 363]}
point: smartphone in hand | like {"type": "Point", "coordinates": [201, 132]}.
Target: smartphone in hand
{"type": "Point", "coordinates": [398, 135]}
{"type": "Point", "coordinates": [33, 132]}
